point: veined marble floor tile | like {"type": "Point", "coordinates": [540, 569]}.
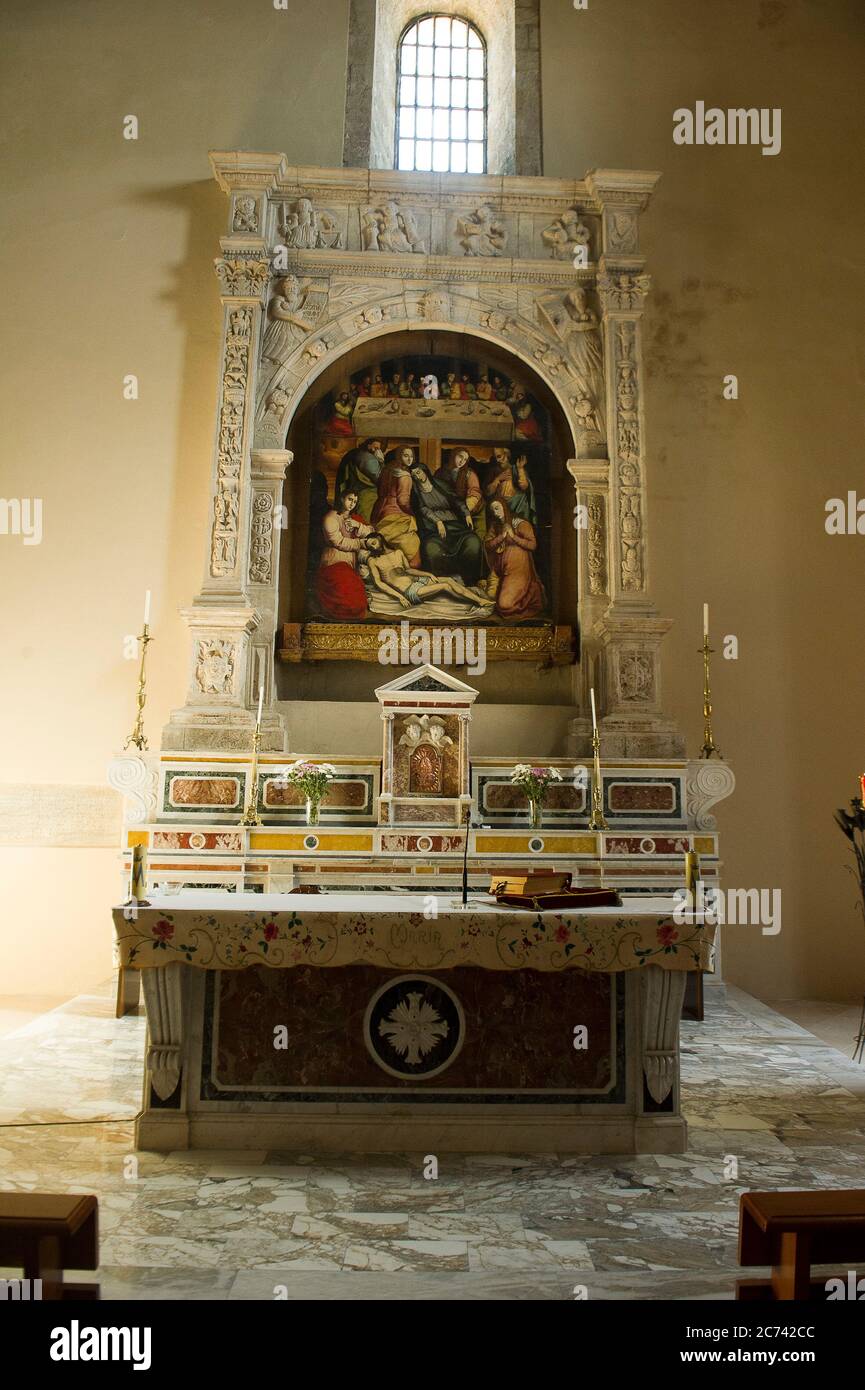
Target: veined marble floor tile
{"type": "Point", "coordinates": [242, 1225]}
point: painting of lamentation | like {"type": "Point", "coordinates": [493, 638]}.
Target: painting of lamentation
{"type": "Point", "coordinates": [432, 528]}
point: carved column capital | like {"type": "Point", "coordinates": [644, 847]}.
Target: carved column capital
{"type": "Point", "coordinates": [622, 291]}
{"type": "Point", "coordinates": [243, 275]}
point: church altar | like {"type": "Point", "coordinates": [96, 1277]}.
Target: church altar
{"type": "Point", "coordinates": [426, 442]}
{"type": "Point", "coordinates": [393, 1020]}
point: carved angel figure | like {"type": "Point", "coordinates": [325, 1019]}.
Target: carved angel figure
{"type": "Point", "coordinates": [481, 233]}
{"type": "Point", "coordinates": [292, 315]}
{"type": "Point", "coordinates": [577, 326]}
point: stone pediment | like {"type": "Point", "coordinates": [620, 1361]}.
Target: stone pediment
{"type": "Point", "coordinates": [427, 684]}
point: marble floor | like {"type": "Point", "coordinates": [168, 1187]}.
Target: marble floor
{"type": "Point", "coordinates": [769, 1105]}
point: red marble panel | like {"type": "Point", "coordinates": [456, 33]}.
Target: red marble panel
{"type": "Point", "coordinates": [519, 1030]}
{"type": "Point", "coordinates": [641, 796]}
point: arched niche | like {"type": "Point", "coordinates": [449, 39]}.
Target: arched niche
{"type": "Point", "coordinates": [544, 680]}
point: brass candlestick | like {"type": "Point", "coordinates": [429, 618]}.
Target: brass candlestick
{"type": "Point", "coordinates": [250, 815]}
{"type": "Point", "coordinates": [137, 736]}
{"type": "Point", "coordinates": [596, 821]}
{"type": "Point", "coordinates": [708, 749]}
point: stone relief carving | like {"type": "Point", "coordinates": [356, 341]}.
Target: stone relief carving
{"type": "Point", "coordinates": [214, 666]}
{"type": "Point", "coordinates": [708, 781]}
{"type": "Point", "coordinates": [305, 228]}
{"type": "Point", "coordinates": [496, 321]}
{"type": "Point", "coordinates": [391, 227]}
{"type": "Point", "coordinates": [636, 677]}
{"type": "Point", "coordinates": [246, 276]}
{"type": "Point", "coordinates": [232, 408]}
{"type": "Point", "coordinates": [292, 314]}
{"type": "Point", "coordinates": [261, 540]}
{"type": "Point", "coordinates": [137, 783]}
{"type": "Point", "coordinates": [275, 406]}
{"type": "Point", "coordinates": [565, 233]}
{"type": "Point", "coordinates": [435, 304]}
{"type": "Point", "coordinates": [621, 291]}
{"type": "Point", "coordinates": [628, 456]}
{"type": "Point", "coordinates": [245, 215]}
{"type": "Point", "coordinates": [622, 232]}
{"type": "Point", "coordinates": [596, 557]}
{"type": "Point", "coordinates": [482, 232]}
{"type": "Point", "coordinates": [576, 325]}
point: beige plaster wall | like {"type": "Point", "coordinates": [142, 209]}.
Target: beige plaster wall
{"type": "Point", "coordinates": [757, 263]}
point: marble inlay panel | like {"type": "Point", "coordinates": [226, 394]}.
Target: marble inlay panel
{"type": "Point", "coordinates": [519, 1032]}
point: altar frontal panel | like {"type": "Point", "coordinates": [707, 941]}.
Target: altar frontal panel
{"type": "Point", "coordinates": [362, 1034]}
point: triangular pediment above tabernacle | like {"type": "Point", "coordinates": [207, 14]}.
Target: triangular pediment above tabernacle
{"type": "Point", "coordinates": [428, 682]}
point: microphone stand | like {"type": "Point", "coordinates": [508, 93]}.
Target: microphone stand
{"type": "Point", "coordinates": [467, 824]}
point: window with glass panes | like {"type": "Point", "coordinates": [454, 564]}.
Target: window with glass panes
{"type": "Point", "coordinates": [442, 97]}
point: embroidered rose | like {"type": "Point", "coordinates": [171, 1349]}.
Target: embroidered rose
{"type": "Point", "coordinates": [562, 932]}
{"type": "Point", "coordinates": [667, 934]}
{"type": "Point", "coordinates": [163, 930]}
{"type": "Point", "coordinates": [271, 931]}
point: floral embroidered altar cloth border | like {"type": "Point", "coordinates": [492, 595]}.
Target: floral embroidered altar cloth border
{"type": "Point", "coordinates": [397, 932]}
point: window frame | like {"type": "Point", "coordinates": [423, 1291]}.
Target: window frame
{"type": "Point", "coordinates": [414, 23]}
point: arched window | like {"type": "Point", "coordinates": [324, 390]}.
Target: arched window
{"type": "Point", "coordinates": [441, 121]}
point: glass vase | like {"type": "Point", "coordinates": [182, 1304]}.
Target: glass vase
{"type": "Point", "coordinates": [536, 814]}
{"type": "Point", "coordinates": [313, 804]}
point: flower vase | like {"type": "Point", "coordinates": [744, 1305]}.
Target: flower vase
{"type": "Point", "coordinates": [313, 804]}
{"type": "Point", "coordinates": [536, 814]}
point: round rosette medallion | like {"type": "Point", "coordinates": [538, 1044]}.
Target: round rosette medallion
{"type": "Point", "coordinates": [414, 1027]}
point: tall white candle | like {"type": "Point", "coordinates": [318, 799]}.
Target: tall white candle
{"type": "Point", "coordinates": [594, 711]}
{"type": "Point", "coordinates": [705, 620]}
{"type": "Point", "coordinates": [147, 608]}
{"type": "Point", "coordinates": [260, 701]}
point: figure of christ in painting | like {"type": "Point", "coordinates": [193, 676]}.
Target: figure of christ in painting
{"type": "Point", "coordinates": [390, 573]}
{"type": "Point", "coordinates": [448, 539]}
{"type": "Point", "coordinates": [510, 483]}
{"type": "Point", "coordinates": [460, 474]}
{"type": "Point", "coordinates": [359, 471]}
{"type": "Point", "coordinates": [340, 591]}
{"type": "Point", "coordinates": [510, 545]}
{"type": "Point", "coordinates": [393, 515]}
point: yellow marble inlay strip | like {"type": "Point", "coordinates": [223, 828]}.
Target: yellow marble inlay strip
{"type": "Point", "coordinates": [519, 844]}
{"type": "Point", "coordinates": [137, 837]}
{"type": "Point", "coordinates": [704, 844]}
{"type": "Point", "coordinates": [326, 843]}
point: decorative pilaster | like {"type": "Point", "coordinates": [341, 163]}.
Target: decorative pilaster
{"type": "Point", "coordinates": [237, 597]}
{"type": "Point", "coordinates": [266, 529]}
{"type": "Point", "coordinates": [626, 633]}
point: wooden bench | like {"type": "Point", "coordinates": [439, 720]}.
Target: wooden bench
{"type": "Point", "coordinates": [45, 1233]}
{"type": "Point", "coordinates": [793, 1230]}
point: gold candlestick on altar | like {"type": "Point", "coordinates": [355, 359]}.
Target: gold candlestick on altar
{"type": "Point", "coordinates": [708, 749]}
{"type": "Point", "coordinates": [596, 820]}
{"type": "Point", "coordinates": [137, 736]}
{"type": "Point", "coordinates": [250, 815]}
